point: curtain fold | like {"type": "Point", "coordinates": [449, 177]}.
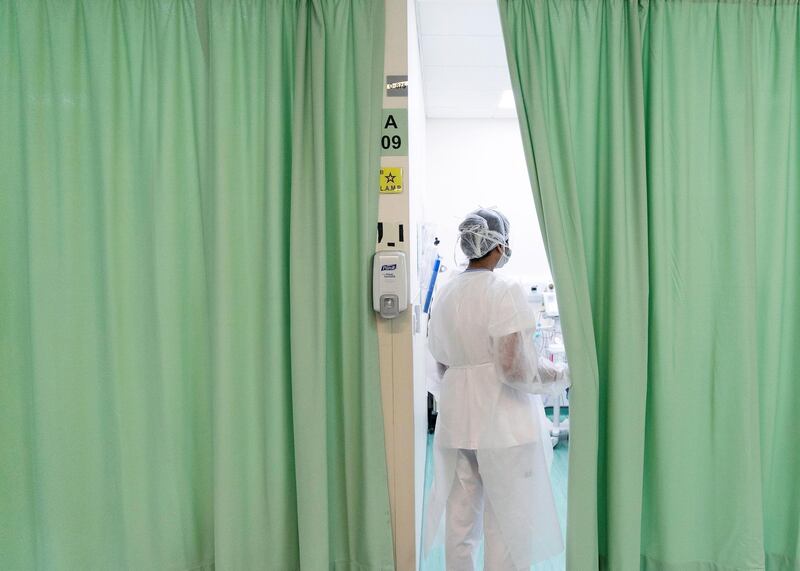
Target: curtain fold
{"type": "Point", "coordinates": [662, 146]}
{"type": "Point", "coordinates": [104, 374]}
{"type": "Point", "coordinates": [293, 128]}
{"type": "Point", "coordinates": [334, 210]}
{"type": "Point", "coordinates": [175, 391]}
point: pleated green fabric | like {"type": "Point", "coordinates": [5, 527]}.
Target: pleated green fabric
{"type": "Point", "coordinates": [188, 363]}
{"type": "Point", "coordinates": [294, 115]}
{"type": "Point", "coordinates": [663, 144]}
{"type": "Point", "coordinates": [105, 455]}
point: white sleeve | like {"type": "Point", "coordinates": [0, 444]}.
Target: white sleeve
{"type": "Point", "coordinates": [434, 374]}
{"type": "Point", "coordinates": [519, 366]}
{"type": "Point", "coordinates": [436, 357]}
{"type": "Point", "coordinates": [553, 372]}
{"type": "Point", "coordinates": [435, 344]}
{"type": "Point", "coordinates": [512, 326]}
{"type": "Point", "coordinates": [515, 359]}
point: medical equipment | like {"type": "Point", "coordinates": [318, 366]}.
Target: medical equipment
{"type": "Point", "coordinates": [550, 304]}
{"type": "Point", "coordinates": [556, 352]}
{"type": "Point", "coordinates": [389, 283]}
{"type": "Point", "coordinates": [550, 343]}
{"type": "Point", "coordinates": [437, 264]}
{"type": "Point", "coordinates": [535, 298]}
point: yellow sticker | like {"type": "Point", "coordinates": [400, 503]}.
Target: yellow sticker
{"type": "Point", "coordinates": [391, 180]}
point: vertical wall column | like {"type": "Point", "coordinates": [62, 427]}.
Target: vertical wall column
{"type": "Point", "coordinates": [395, 335]}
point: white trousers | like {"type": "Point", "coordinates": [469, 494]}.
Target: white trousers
{"type": "Point", "coordinates": [469, 516]}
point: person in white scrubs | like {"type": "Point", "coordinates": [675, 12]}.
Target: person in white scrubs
{"type": "Point", "coordinates": [491, 445]}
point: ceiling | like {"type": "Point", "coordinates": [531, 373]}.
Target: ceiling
{"type": "Point", "coordinates": [464, 66]}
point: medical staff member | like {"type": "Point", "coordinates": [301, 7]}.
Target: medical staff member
{"type": "Point", "coordinates": [491, 447]}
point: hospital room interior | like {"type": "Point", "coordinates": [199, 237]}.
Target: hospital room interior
{"type": "Point", "coordinates": [474, 157]}
{"type": "Point", "coordinates": [372, 285]}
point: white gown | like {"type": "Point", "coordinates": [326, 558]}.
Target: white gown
{"type": "Point", "coordinates": [480, 411]}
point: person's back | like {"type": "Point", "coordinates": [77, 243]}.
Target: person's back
{"type": "Point", "coordinates": [458, 333]}
{"type": "Point", "coordinates": [468, 311]}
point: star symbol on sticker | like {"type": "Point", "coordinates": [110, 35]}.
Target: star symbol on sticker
{"type": "Point", "coordinates": [389, 178]}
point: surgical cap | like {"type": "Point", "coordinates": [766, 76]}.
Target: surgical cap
{"type": "Point", "coordinates": [481, 232]}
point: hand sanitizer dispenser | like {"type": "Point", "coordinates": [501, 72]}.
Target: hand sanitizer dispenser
{"type": "Point", "coordinates": [389, 283]}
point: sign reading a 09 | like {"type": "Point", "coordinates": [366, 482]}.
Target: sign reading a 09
{"type": "Point", "coordinates": [391, 142]}
{"type": "Point", "coordinates": [394, 135]}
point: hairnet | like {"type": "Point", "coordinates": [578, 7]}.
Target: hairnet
{"type": "Point", "coordinates": [481, 232]}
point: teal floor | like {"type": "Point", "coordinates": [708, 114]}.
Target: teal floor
{"type": "Point", "coordinates": [558, 473]}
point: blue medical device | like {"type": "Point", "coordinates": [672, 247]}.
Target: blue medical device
{"type": "Point", "coordinates": [436, 265]}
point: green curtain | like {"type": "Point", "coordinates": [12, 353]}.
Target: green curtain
{"type": "Point", "coordinates": [294, 117]}
{"type": "Point", "coordinates": [188, 363]}
{"type": "Point", "coordinates": [663, 145]}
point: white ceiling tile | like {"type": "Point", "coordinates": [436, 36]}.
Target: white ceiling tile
{"type": "Point", "coordinates": [469, 113]}
{"type": "Point", "coordinates": [505, 114]}
{"type": "Point", "coordinates": [466, 78]}
{"type": "Point", "coordinates": [465, 70]}
{"type": "Point", "coordinates": [463, 51]}
{"type": "Point", "coordinates": [472, 98]}
{"type": "Point", "coordinates": [451, 19]}
{"type": "Point", "coordinates": [457, 113]}
{"type": "Point", "coordinates": [456, 3]}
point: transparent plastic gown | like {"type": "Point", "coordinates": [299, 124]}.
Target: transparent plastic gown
{"type": "Point", "coordinates": [481, 332]}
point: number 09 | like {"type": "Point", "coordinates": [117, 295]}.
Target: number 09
{"type": "Point", "coordinates": [393, 142]}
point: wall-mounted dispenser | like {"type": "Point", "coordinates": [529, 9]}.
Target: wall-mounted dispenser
{"type": "Point", "coordinates": [389, 283]}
